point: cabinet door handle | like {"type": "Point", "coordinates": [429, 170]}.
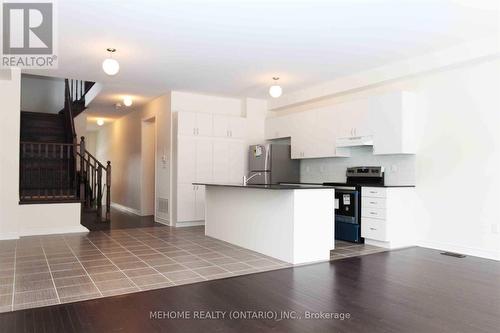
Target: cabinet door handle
{"type": "Point", "coordinates": [194, 131]}
{"type": "Point", "coordinates": [231, 133]}
{"type": "Point", "coordinates": [373, 213]}
{"type": "Point", "coordinates": [373, 228]}
{"type": "Point", "coordinates": [373, 202]}
{"type": "Point", "coordinates": [373, 192]}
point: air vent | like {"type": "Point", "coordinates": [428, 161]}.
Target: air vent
{"type": "Point", "coordinates": [451, 254]}
{"type": "Point", "coordinates": [163, 205]}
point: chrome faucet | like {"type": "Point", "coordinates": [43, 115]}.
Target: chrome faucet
{"type": "Point", "coordinates": [246, 179]}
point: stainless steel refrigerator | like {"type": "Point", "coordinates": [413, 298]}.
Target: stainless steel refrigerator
{"type": "Point", "coordinates": [274, 163]}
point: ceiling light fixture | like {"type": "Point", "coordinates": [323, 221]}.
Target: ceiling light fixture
{"type": "Point", "coordinates": [100, 122]}
{"type": "Point", "coordinates": [110, 66]}
{"type": "Point", "coordinates": [275, 90]}
{"type": "Point", "coordinates": [127, 100]}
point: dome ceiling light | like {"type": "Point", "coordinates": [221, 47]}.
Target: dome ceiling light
{"type": "Point", "coordinates": [110, 66]}
{"type": "Point", "coordinates": [275, 90]}
{"type": "Point", "coordinates": [127, 100]}
{"type": "Point", "coordinates": [100, 122]}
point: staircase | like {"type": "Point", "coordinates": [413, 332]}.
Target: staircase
{"type": "Point", "coordinates": [54, 168]}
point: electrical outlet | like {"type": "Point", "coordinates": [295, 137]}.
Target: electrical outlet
{"type": "Point", "coordinates": [494, 228]}
{"type": "Point", "coordinates": [322, 169]}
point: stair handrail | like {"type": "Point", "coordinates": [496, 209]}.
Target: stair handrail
{"type": "Point", "coordinates": [68, 112]}
{"type": "Point", "coordinates": [91, 175]}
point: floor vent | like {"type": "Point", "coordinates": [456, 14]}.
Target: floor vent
{"type": "Point", "coordinates": [163, 205]}
{"type": "Point", "coordinates": [451, 254]}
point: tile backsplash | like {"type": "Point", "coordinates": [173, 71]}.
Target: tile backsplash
{"type": "Point", "coordinates": [399, 169]}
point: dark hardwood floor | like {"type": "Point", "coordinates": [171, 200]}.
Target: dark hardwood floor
{"type": "Point", "coordinates": [119, 220]}
{"type": "Point", "coordinates": [410, 290]}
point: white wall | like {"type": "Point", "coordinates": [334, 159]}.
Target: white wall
{"type": "Point", "coordinates": [23, 220]}
{"type": "Point", "coordinates": [120, 143]}
{"type": "Point", "coordinates": [10, 97]}
{"type": "Point", "coordinates": [91, 142]}
{"type": "Point", "coordinates": [458, 154]}
{"type": "Point", "coordinates": [42, 94]}
{"type": "Point", "coordinates": [148, 169]}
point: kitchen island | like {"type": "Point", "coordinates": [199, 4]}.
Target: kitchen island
{"type": "Point", "coordinates": [292, 223]}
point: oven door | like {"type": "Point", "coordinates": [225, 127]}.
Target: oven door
{"type": "Point", "coordinates": [347, 222]}
{"type": "Point", "coordinates": [346, 206]}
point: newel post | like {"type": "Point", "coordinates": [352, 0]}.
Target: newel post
{"type": "Point", "coordinates": [82, 168]}
{"type": "Point", "coordinates": [108, 191]}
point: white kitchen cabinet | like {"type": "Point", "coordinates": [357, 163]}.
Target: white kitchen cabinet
{"type": "Point", "coordinates": [207, 150]}
{"type": "Point", "coordinates": [394, 123]}
{"type": "Point", "coordinates": [229, 126]}
{"type": "Point", "coordinates": [194, 124]}
{"type": "Point", "coordinates": [387, 216]}
{"type": "Point", "coordinates": [238, 157]}
{"type": "Point", "coordinates": [386, 121]}
{"type": "Point", "coordinates": [229, 158]}
{"type": "Point", "coordinates": [186, 202]}
{"type": "Point", "coordinates": [194, 160]}
{"type": "Point", "coordinates": [303, 135]}
{"type": "Point", "coordinates": [354, 118]}
{"type": "Point", "coordinates": [199, 203]}
{"type": "Point", "coordinates": [220, 161]}
{"type": "Point", "coordinates": [278, 127]}
{"type": "Point", "coordinates": [190, 202]}
{"type": "Point", "coordinates": [238, 127]}
{"type": "Point", "coordinates": [186, 123]}
{"type": "Point", "coordinates": [186, 156]}
{"type": "Point", "coordinates": [203, 160]}
{"type": "Point", "coordinates": [313, 135]}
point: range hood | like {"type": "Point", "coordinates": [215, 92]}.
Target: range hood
{"type": "Point", "coordinates": [355, 141]}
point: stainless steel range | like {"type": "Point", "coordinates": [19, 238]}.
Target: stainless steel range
{"type": "Point", "coordinates": [348, 200]}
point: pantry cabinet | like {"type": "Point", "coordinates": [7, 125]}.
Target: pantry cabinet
{"type": "Point", "coordinates": [209, 148]}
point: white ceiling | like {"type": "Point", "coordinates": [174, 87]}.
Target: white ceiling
{"type": "Point", "coordinates": [234, 47]}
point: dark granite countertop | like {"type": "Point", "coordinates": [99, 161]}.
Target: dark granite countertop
{"type": "Point", "coordinates": [367, 185]}
{"type": "Point", "coordinates": [271, 187]}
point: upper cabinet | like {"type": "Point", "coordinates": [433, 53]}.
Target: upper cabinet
{"type": "Point", "coordinates": [394, 123]}
{"type": "Point", "coordinates": [278, 127]}
{"type": "Point", "coordinates": [384, 121]}
{"type": "Point", "coordinates": [229, 126]}
{"type": "Point", "coordinates": [194, 124]}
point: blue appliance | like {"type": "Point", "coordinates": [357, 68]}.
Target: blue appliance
{"type": "Point", "coordinates": [348, 201]}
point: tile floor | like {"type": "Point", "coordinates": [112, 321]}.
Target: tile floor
{"type": "Point", "coordinates": [345, 249]}
{"type": "Point", "coordinates": [46, 270]}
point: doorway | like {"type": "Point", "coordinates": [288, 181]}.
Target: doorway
{"type": "Point", "coordinates": [148, 166]}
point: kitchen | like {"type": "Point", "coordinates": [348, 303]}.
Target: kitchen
{"type": "Point", "coordinates": [354, 204]}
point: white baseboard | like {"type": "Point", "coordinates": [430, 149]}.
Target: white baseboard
{"type": "Point", "coordinates": [189, 224]}
{"type": "Point", "coordinates": [471, 251]}
{"type": "Point", "coordinates": [52, 231]}
{"type": "Point", "coordinates": [162, 221]}
{"type": "Point", "coordinates": [126, 209]}
{"type": "Point", "coordinates": [9, 235]}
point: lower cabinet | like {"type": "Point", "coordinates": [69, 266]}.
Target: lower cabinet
{"type": "Point", "coordinates": [190, 202]}
{"type": "Point", "coordinates": [387, 216]}
{"type": "Point", "coordinates": [219, 160]}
